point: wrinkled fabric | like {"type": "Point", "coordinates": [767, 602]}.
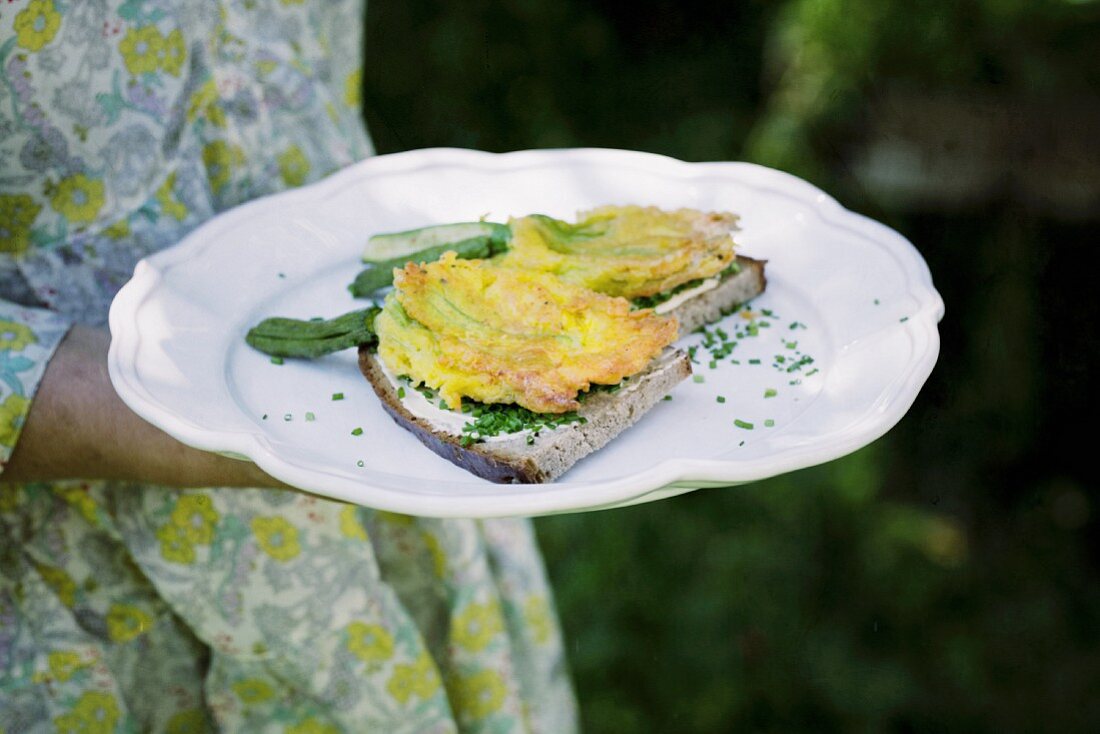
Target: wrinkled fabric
{"type": "Point", "coordinates": [127, 608]}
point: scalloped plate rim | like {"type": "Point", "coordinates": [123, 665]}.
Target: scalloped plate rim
{"type": "Point", "coordinates": [669, 477]}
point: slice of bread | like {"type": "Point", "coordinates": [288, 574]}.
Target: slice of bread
{"type": "Point", "coordinates": [514, 460]}
{"type": "Point", "coordinates": [553, 452]}
{"type": "Point", "coordinates": [710, 306]}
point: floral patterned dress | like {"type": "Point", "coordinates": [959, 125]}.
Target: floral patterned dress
{"type": "Point", "coordinates": [123, 125]}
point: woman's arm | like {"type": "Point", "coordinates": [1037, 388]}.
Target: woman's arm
{"type": "Point", "coordinates": [78, 428]}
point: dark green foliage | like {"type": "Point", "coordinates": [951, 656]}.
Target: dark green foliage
{"type": "Point", "coordinates": [943, 579]}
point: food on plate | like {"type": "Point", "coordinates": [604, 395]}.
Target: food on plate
{"type": "Point", "coordinates": [477, 335]}
{"type": "Point", "coordinates": [529, 447]}
{"type": "Point", "coordinates": [393, 250]}
{"type": "Point", "coordinates": [513, 350]}
{"type": "Point", "coordinates": [681, 262]}
{"type": "Point", "coordinates": [474, 329]}
{"type": "Point", "coordinates": [628, 251]}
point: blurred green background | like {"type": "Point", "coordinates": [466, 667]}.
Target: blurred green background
{"type": "Point", "coordinates": [944, 578]}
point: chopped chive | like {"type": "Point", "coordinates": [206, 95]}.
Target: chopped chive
{"type": "Point", "coordinates": [310, 416]}
{"type": "Point", "coordinates": [742, 424]}
{"type": "Point", "coordinates": [276, 360]}
{"type": "Point", "coordinates": [359, 463]}
{"type": "Point", "coordinates": [770, 392]}
{"type": "Point", "coordinates": [754, 361]}
{"type": "Point", "coordinates": [400, 393]}
{"type": "Point", "coordinates": [288, 417]}
{"type": "Point", "coordinates": [769, 423]}
{"type": "Point", "coordinates": [357, 432]}
{"type": "Point", "coordinates": [338, 396]}
{"type": "Point", "coordinates": [721, 399]}
{"type": "Point", "coordinates": [904, 319]}
{"type": "Point", "coordinates": [668, 397]}
{"type": "Point", "coordinates": [697, 378]}
{"type": "Point", "coordinates": [876, 301]}
{"type": "Point", "coordinates": [712, 364]}
{"type": "Point", "coordinates": [265, 417]}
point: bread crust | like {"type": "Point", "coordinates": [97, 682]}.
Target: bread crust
{"type": "Point", "coordinates": [553, 452]}
{"type": "Point", "coordinates": [513, 460]}
{"type": "Point", "coordinates": [712, 305]}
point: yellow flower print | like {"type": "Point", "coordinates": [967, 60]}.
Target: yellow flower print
{"type": "Point", "coordinates": [36, 24]}
{"type": "Point", "coordinates": [253, 690]}
{"type": "Point", "coordinates": [478, 695]}
{"type": "Point", "coordinates": [191, 721]}
{"type": "Point", "coordinates": [11, 496]}
{"type": "Point", "coordinates": [172, 53]}
{"type": "Point", "coordinates": [17, 214]}
{"type": "Point", "coordinates": [118, 230]}
{"type": "Point", "coordinates": [174, 545]}
{"type": "Point", "coordinates": [350, 527]}
{"type": "Point", "coordinates": [78, 198]}
{"type": "Point", "coordinates": [418, 679]}
{"type": "Point", "coordinates": [82, 501]}
{"type": "Point", "coordinates": [14, 336]}
{"type": "Point", "coordinates": [63, 663]}
{"type": "Point", "coordinates": [312, 726]}
{"type": "Point", "coordinates": [264, 67]}
{"type": "Point", "coordinates": [196, 517]}
{"type": "Point", "coordinates": [205, 100]}
{"type": "Point", "coordinates": [394, 518]}
{"type": "Point", "coordinates": [536, 611]}
{"type": "Point", "coordinates": [435, 550]}
{"type": "Point", "coordinates": [94, 713]}
{"type": "Point", "coordinates": [369, 642]}
{"type": "Point", "coordinates": [293, 166]}
{"type": "Point", "coordinates": [141, 49]}
{"type": "Point", "coordinates": [219, 158]}
{"type": "Point", "coordinates": [60, 582]}
{"type": "Point", "coordinates": [168, 203]}
{"type": "Point", "coordinates": [12, 411]}
{"type": "Point", "coordinates": [125, 622]}
{"type": "Point", "coordinates": [476, 626]}
{"type": "Point", "coordinates": [277, 537]}
{"type": "Point", "coordinates": [353, 86]}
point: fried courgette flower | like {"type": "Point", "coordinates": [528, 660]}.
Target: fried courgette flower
{"type": "Point", "coordinates": [473, 329]}
{"type": "Point", "coordinates": [628, 251]}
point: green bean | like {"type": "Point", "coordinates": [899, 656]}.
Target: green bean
{"type": "Point", "coordinates": [379, 275]}
{"type": "Point", "coordinates": [284, 337]}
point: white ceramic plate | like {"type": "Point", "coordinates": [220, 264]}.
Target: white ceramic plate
{"type": "Point", "coordinates": [862, 292]}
